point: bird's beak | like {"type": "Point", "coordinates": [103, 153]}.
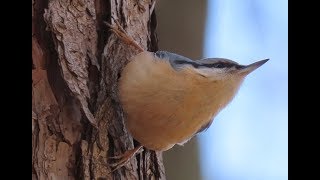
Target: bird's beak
{"type": "Point", "coordinates": [245, 70]}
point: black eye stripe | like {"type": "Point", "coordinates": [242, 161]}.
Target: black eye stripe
{"type": "Point", "coordinates": [240, 66]}
{"type": "Point", "coordinates": [212, 65]}
{"type": "Point", "coordinates": [219, 65]}
{"type": "Point", "coordinates": [194, 64]}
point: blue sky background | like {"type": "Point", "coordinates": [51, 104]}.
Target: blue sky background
{"type": "Point", "coordinates": [248, 140]}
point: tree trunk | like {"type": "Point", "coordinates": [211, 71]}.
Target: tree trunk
{"type": "Point", "coordinates": [76, 63]}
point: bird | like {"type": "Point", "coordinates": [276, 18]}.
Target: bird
{"type": "Point", "coordinates": [168, 98]}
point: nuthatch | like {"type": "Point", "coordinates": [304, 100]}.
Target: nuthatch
{"type": "Point", "coordinates": [168, 98]}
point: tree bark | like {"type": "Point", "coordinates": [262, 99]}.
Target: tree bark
{"type": "Point", "coordinates": [76, 63]}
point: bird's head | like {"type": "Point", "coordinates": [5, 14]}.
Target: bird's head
{"type": "Point", "coordinates": [220, 69]}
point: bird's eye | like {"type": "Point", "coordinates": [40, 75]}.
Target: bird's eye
{"type": "Point", "coordinates": [219, 65]}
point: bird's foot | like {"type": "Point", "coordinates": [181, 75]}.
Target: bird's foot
{"type": "Point", "coordinates": [124, 158]}
{"type": "Point", "coordinates": [123, 35]}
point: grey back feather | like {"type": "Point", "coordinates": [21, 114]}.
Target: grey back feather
{"type": "Point", "coordinates": [177, 61]}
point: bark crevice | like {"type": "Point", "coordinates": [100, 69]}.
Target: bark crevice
{"type": "Point", "coordinates": [76, 63]}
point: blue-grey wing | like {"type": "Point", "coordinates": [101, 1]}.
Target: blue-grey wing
{"type": "Point", "coordinates": [205, 127]}
{"type": "Point", "coordinates": [177, 61]}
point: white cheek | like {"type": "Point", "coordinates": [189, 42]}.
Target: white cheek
{"type": "Point", "coordinates": [214, 74]}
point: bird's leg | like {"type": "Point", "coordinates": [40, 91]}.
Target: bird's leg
{"type": "Point", "coordinates": [122, 34]}
{"type": "Point", "coordinates": [122, 159]}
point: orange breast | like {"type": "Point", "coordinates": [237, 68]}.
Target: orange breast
{"type": "Point", "coordinates": [163, 106]}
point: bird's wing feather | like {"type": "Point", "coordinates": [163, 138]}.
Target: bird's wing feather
{"type": "Point", "coordinates": [205, 127]}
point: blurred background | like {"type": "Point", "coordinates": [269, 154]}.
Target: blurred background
{"type": "Point", "coordinates": [248, 140]}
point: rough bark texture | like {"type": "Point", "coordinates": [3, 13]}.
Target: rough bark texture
{"type": "Point", "coordinates": [76, 63]}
